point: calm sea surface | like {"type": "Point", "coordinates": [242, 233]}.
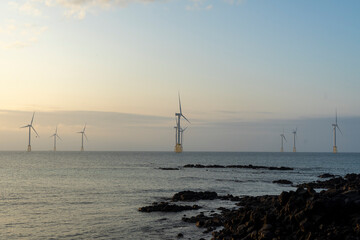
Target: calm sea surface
{"type": "Point", "coordinates": [95, 195]}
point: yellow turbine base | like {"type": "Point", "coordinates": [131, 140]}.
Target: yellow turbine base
{"type": "Point", "coordinates": [294, 149]}
{"type": "Point", "coordinates": [29, 148]}
{"type": "Point", "coordinates": [334, 149]}
{"type": "Point", "coordinates": [281, 150]}
{"type": "Point", "coordinates": [82, 149]}
{"type": "Point", "coordinates": [178, 148]}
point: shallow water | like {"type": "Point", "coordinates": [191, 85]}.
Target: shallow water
{"type": "Point", "coordinates": [95, 195]}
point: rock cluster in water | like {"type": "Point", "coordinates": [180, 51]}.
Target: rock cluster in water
{"type": "Point", "coordinates": [167, 207]}
{"type": "Point", "coordinates": [238, 166]}
{"type": "Point", "coordinates": [282, 181]}
{"type": "Point", "coordinates": [302, 214]}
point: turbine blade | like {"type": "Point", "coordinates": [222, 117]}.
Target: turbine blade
{"type": "Point", "coordinates": [339, 129]}
{"type": "Point", "coordinates": [180, 104]}
{"type": "Point", "coordinates": [336, 116]}
{"type": "Point", "coordinates": [184, 129]}
{"type": "Point", "coordinates": [59, 137]}
{"type": "Point", "coordinates": [56, 130]}
{"type": "Point", "coordinates": [285, 138]}
{"type": "Point", "coordinates": [84, 128]}
{"type": "Point", "coordinates": [32, 118]}
{"type": "Point", "coordinates": [86, 137]}
{"type": "Point", "coordinates": [185, 118]}
{"type": "Point", "coordinates": [25, 126]}
{"type": "Point", "coordinates": [35, 131]}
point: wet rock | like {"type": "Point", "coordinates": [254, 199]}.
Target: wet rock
{"type": "Point", "coordinates": [282, 181]}
{"type": "Point", "coordinates": [238, 166]}
{"type": "Point", "coordinates": [169, 169]}
{"type": "Point", "coordinates": [180, 235]}
{"type": "Point", "coordinates": [326, 175]}
{"type": "Point", "coordinates": [166, 207]}
{"type": "Point", "coordinates": [300, 214]}
{"type": "Point", "coordinates": [194, 196]}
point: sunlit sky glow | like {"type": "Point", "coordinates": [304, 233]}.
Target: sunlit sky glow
{"type": "Point", "coordinates": [245, 70]}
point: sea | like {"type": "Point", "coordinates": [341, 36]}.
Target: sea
{"type": "Point", "coordinates": [96, 195]}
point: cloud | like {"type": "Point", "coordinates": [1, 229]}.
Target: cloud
{"type": "Point", "coordinates": [16, 35]}
{"type": "Point", "coordinates": [78, 9]}
{"type": "Point", "coordinates": [199, 5]}
{"type": "Point", "coordinates": [27, 7]}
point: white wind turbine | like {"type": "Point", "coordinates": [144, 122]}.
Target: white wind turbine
{"type": "Point", "coordinates": [179, 130]}
{"type": "Point", "coordinates": [335, 125]}
{"type": "Point", "coordinates": [282, 141]}
{"type": "Point", "coordinates": [30, 126]}
{"type": "Point", "coordinates": [294, 132]}
{"type": "Point", "coordinates": [82, 138]}
{"type": "Point", "coordinates": [55, 135]}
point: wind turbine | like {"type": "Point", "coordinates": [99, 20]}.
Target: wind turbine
{"type": "Point", "coordinates": [335, 125]}
{"type": "Point", "coordinates": [294, 132]}
{"type": "Point", "coordinates": [82, 138]}
{"type": "Point", "coordinates": [30, 126]}
{"type": "Point", "coordinates": [179, 130]}
{"type": "Point", "coordinates": [282, 141]}
{"type": "Point", "coordinates": [55, 135]}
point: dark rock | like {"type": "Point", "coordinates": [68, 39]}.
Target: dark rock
{"type": "Point", "coordinates": [169, 168]}
{"type": "Point", "coordinates": [238, 166]}
{"type": "Point", "coordinates": [194, 196]}
{"type": "Point", "coordinates": [282, 181]}
{"type": "Point", "coordinates": [166, 207]}
{"type": "Point", "coordinates": [300, 214]}
{"type": "Point", "coordinates": [180, 235]}
{"type": "Point", "coordinates": [326, 175]}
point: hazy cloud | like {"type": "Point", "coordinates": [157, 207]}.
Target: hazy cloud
{"type": "Point", "coordinates": [27, 7]}
{"type": "Point", "coordinates": [16, 35]}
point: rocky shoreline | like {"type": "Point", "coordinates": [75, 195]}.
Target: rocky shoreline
{"type": "Point", "coordinates": [333, 213]}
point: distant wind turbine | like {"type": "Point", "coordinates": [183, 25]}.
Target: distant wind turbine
{"type": "Point", "coordinates": [294, 132]}
{"type": "Point", "coordinates": [55, 135]}
{"type": "Point", "coordinates": [82, 138]}
{"type": "Point", "coordinates": [30, 126]}
{"type": "Point", "coordinates": [335, 125]}
{"type": "Point", "coordinates": [282, 141]}
{"type": "Point", "coordinates": [179, 130]}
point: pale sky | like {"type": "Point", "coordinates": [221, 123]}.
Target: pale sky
{"type": "Point", "coordinates": [245, 70]}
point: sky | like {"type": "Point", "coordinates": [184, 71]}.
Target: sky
{"type": "Point", "coordinates": [246, 70]}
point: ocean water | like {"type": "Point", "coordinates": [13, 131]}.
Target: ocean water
{"type": "Point", "coordinates": [96, 195]}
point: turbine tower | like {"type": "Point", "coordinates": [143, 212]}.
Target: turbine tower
{"type": "Point", "coordinates": [282, 141]}
{"type": "Point", "coordinates": [335, 125]}
{"type": "Point", "coordinates": [294, 132]}
{"type": "Point", "coordinates": [179, 130]}
{"type": "Point", "coordinates": [30, 126]}
{"type": "Point", "coordinates": [55, 135]}
{"type": "Point", "coordinates": [82, 138]}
